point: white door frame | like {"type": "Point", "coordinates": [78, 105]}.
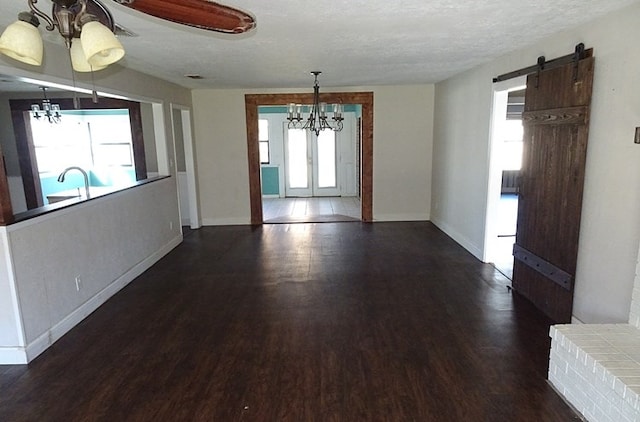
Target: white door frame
{"type": "Point", "coordinates": [190, 166]}
{"type": "Point", "coordinates": [494, 182]}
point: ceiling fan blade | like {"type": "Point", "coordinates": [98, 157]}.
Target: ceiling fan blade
{"type": "Point", "coordinates": [202, 14]}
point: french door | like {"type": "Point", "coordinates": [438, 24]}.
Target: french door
{"type": "Point", "coordinates": [311, 163]}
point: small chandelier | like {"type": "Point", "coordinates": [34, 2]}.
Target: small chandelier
{"type": "Point", "coordinates": [50, 111]}
{"type": "Point", "coordinates": [318, 119]}
{"type": "Point", "coordinates": [86, 26]}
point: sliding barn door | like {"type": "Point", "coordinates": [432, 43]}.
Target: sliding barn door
{"type": "Point", "coordinates": [556, 121]}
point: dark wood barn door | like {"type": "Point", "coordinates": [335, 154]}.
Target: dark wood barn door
{"type": "Point", "coordinates": [555, 122]}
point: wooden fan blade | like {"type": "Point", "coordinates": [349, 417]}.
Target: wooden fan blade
{"type": "Point", "coordinates": [202, 14]}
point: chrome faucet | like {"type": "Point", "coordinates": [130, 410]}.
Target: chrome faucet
{"type": "Point", "coordinates": [84, 173]}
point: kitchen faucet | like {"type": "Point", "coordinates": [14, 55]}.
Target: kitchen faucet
{"type": "Point", "coordinates": [84, 173]}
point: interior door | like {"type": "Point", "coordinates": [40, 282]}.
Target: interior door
{"type": "Point", "coordinates": [552, 177]}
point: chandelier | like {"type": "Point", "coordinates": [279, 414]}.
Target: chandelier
{"type": "Point", "coordinates": [318, 119]}
{"type": "Point", "coordinates": [50, 111]}
{"type": "Point", "coordinates": [86, 26]}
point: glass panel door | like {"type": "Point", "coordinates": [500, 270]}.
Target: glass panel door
{"type": "Point", "coordinates": [297, 163]}
{"type": "Point", "coordinates": [325, 182]}
{"type": "Point", "coordinates": [311, 163]}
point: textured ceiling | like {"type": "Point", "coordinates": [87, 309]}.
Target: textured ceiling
{"type": "Point", "coordinates": [356, 42]}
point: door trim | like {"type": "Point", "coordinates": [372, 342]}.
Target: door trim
{"type": "Point", "coordinates": [190, 166]}
{"type": "Point", "coordinates": [253, 101]}
{"type": "Point", "coordinates": [498, 111]}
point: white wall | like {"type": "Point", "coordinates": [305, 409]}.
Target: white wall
{"type": "Point", "coordinates": [10, 324]}
{"type": "Point", "coordinates": [402, 149]}
{"type": "Point", "coordinates": [403, 130]}
{"type": "Point", "coordinates": [221, 141]}
{"type": "Point", "coordinates": [106, 242]}
{"type": "Point", "coordinates": [611, 209]}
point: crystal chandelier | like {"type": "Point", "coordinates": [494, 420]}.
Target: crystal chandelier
{"type": "Point", "coordinates": [49, 111]}
{"type": "Point", "coordinates": [318, 119]}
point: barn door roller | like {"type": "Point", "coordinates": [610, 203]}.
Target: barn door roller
{"type": "Point", "coordinates": [542, 64]}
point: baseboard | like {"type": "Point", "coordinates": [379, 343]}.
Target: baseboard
{"type": "Point", "coordinates": [43, 342]}
{"type": "Point", "coordinates": [400, 217]}
{"type": "Point", "coordinates": [13, 356]}
{"type": "Point", "coordinates": [460, 239]}
{"type": "Point", "coordinates": [225, 222]}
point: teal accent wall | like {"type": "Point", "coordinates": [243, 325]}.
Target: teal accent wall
{"type": "Point", "coordinates": [50, 184]}
{"type": "Point", "coordinates": [270, 181]}
{"type": "Point", "coordinates": [348, 108]}
{"type": "Point", "coordinates": [74, 179]}
{"type": "Point", "coordinates": [110, 176]}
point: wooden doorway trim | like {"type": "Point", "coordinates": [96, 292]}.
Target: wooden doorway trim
{"type": "Point", "coordinates": [6, 211]}
{"type": "Point", "coordinates": [253, 101]}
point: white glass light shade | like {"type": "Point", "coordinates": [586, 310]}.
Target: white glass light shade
{"type": "Point", "coordinates": [78, 59]}
{"type": "Point", "coordinates": [22, 41]}
{"type": "Point", "coordinates": [100, 45]}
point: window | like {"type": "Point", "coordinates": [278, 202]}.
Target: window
{"type": "Point", "coordinates": [511, 152]}
{"type": "Point", "coordinates": [327, 159]}
{"type": "Point", "coordinates": [263, 139]}
{"type": "Point", "coordinates": [93, 137]}
{"type": "Point", "coordinates": [87, 138]}
{"type": "Point", "coordinates": [297, 153]}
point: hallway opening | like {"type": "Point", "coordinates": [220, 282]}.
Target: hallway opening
{"type": "Point", "coordinates": [504, 172]}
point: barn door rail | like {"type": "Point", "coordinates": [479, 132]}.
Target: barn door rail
{"type": "Point", "coordinates": [542, 64]}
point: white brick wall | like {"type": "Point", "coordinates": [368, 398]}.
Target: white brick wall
{"type": "Point", "coordinates": [597, 369]}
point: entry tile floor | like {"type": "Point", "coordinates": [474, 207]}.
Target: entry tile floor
{"type": "Point", "coordinates": [311, 210]}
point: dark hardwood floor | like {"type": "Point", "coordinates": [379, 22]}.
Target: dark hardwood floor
{"type": "Point", "coordinates": [307, 322]}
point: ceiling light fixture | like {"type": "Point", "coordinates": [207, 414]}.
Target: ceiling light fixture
{"type": "Point", "coordinates": [318, 119]}
{"type": "Point", "coordinates": [86, 26]}
{"type": "Point", "coordinates": [50, 111]}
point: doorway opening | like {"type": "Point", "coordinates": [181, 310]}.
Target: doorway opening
{"type": "Point", "coordinates": [504, 168]}
{"type": "Point", "coordinates": [185, 167]}
{"type": "Point", "coordinates": [307, 177]}
{"type": "Point", "coordinates": [260, 153]}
